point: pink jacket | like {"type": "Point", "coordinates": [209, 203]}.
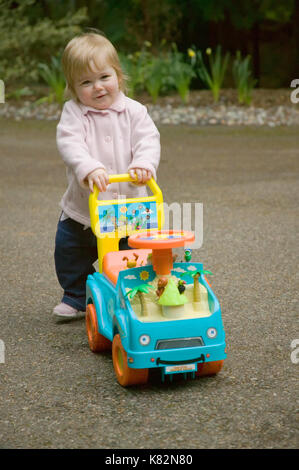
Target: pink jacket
{"type": "Point", "coordinates": [117, 139]}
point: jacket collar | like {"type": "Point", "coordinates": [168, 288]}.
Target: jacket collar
{"type": "Point", "coordinates": [118, 105]}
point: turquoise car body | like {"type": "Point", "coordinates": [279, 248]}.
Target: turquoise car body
{"type": "Point", "coordinates": [175, 345]}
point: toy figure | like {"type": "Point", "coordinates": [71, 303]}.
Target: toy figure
{"type": "Point", "coordinates": [181, 286]}
{"type": "Point", "coordinates": [130, 262]}
{"type": "Point", "coordinates": [188, 254]}
{"type": "Point", "coordinates": [162, 283]}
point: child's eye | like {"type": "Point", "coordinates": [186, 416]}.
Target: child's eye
{"type": "Point", "coordinates": [86, 82]}
{"type": "Point", "coordinates": [104, 77]}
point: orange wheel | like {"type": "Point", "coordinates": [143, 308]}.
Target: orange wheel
{"type": "Point", "coordinates": [97, 342]}
{"type": "Point", "coordinates": [124, 374]}
{"type": "Point", "coordinates": [209, 368]}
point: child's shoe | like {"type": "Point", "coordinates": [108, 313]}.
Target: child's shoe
{"type": "Point", "coordinates": [65, 312]}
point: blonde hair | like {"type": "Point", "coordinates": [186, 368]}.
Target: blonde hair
{"type": "Point", "coordinates": [84, 50]}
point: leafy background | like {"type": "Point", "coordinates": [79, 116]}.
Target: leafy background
{"type": "Point", "coordinates": [33, 32]}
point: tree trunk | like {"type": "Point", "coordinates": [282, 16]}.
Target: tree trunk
{"type": "Point", "coordinates": [196, 288]}
{"type": "Point", "coordinates": [144, 309]}
{"type": "Point", "coordinates": [147, 21]}
{"type": "Point", "coordinates": [295, 40]}
{"type": "Point", "coordinates": [256, 52]}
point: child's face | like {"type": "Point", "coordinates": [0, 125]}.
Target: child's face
{"type": "Point", "coordinates": [97, 88]}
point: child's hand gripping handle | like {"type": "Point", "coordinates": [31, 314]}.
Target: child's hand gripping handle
{"type": "Point", "coordinates": [126, 178]}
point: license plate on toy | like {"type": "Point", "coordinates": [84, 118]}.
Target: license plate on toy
{"type": "Point", "coordinates": [180, 368]}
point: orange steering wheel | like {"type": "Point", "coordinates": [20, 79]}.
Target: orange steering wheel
{"type": "Point", "coordinates": [161, 242]}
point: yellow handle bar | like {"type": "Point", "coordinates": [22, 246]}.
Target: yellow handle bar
{"type": "Point", "coordinates": [126, 178]}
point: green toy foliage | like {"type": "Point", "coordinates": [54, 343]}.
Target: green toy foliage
{"type": "Point", "coordinates": [140, 290]}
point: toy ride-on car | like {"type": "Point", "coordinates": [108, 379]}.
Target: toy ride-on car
{"type": "Point", "coordinates": [152, 311]}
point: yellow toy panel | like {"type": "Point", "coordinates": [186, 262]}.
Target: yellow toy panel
{"type": "Point", "coordinates": [114, 219]}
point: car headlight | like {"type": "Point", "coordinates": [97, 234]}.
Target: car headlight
{"type": "Point", "coordinates": [144, 340]}
{"type": "Point", "coordinates": [212, 333]}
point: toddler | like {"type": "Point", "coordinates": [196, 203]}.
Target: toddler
{"type": "Point", "coordinates": [101, 132]}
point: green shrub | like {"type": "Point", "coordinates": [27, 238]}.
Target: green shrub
{"type": "Point", "coordinates": [243, 78]}
{"type": "Point", "coordinates": [134, 66]}
{"type": "Point", "coordinates": [181, 73]}
{"type": "Point", "coordinates": [26, 42]}
{"type": "Point", "coordinates": [214, 74]}
{"type": "Point", "coordinates": [154, 77]}
{"type": "Point", "coordinates": [53, 76]}
{"type": "Point", "coordinates": [158, 73]}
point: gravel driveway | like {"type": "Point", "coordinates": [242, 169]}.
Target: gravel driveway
{"type": "Point", "coordinates": [55, 393]}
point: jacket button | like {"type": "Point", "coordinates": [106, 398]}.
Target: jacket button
{"type": "Point", "coordinates": [108, 139]}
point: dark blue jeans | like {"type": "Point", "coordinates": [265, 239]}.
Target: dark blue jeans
{"type": "Point", "coordinates": [75, 253]}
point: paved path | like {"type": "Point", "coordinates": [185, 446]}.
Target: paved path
{"type": "Point", "coordinates": [55, 393]}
